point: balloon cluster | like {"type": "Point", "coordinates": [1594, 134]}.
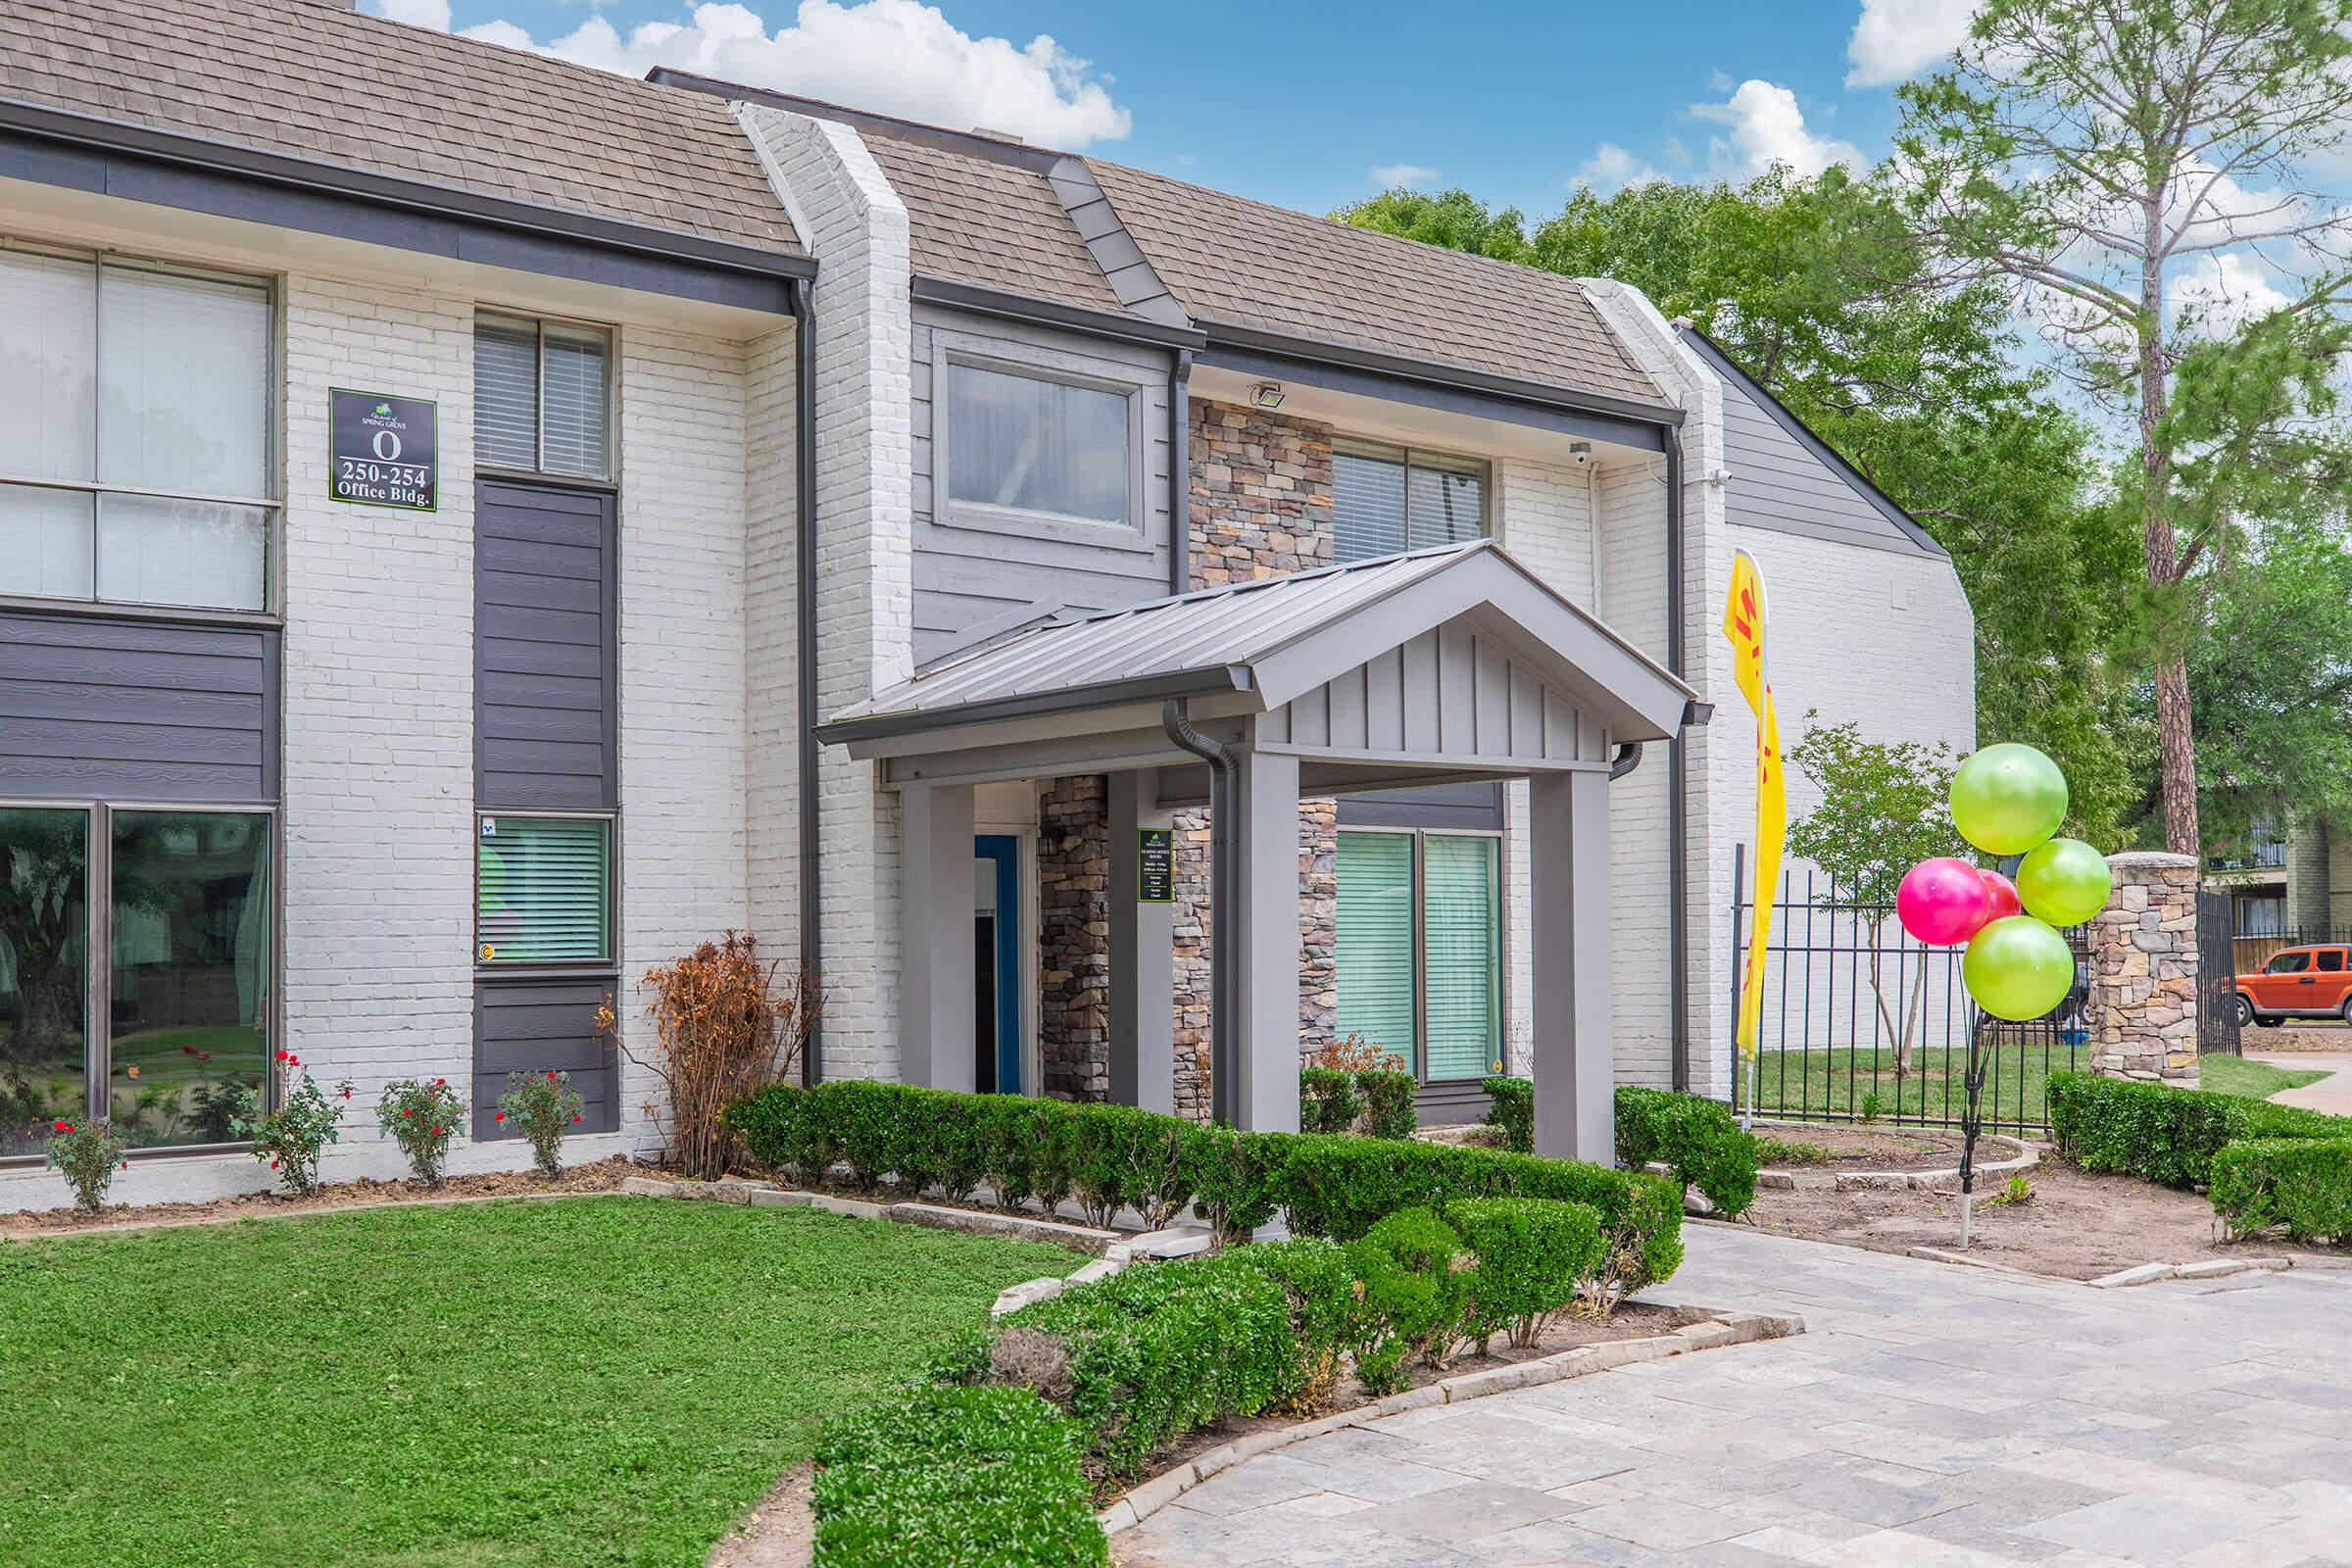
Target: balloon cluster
{"type": "Point", "coordinates": [2008, 799]}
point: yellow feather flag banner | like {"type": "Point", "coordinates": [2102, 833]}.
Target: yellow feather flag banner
{"type": "Point", "coordinates": [1744, 628]}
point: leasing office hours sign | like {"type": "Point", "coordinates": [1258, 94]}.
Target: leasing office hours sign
{"type": "Point", "coordinates": [382, 451]}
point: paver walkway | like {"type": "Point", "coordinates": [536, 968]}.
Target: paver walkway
{"type": "Point", "coordinates": [1932, 1415]}
{"type": "Point", "coordinates": [2332, 1093]}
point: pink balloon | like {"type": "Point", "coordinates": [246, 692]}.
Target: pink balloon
{"type": "Point", "coordinates": [2003, 894]}
{"type": "Point", "coordinates": [1942, 901]}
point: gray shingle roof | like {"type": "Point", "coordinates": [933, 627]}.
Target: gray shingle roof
{"type": "Point", "coordinates": [312, 80]}
{"type": "Point", "coordinates": [1233, 261]}
{"type": "Point", "coordinates": [975, 219]}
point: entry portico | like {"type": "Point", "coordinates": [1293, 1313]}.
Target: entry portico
{"type": "Point", "coordinates": [1445, 665]}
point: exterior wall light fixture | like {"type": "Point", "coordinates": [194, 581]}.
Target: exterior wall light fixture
{"type": "Point", "coordinates": [1266, 394]}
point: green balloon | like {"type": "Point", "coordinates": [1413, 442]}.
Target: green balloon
{"type": "Point", "coordinates": [2018, 969]}
{"type": "Point", "coordinates": [2063, 881]}
{"type": "Point", "coordinates": [2008, 798]}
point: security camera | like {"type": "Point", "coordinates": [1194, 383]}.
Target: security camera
{"type": "Point", "coordinates": [1580, 453]}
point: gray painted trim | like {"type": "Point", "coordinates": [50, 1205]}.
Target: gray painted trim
{"type": "Point", "coordinates": [1027, 308]}
{"type": "Point", "coordinates": [1781, 414]}
{"type": "Point", "coordinates": [139, 162]}
{"type": "Point", "coordinates": [1144, 688]}
{"type": "Point", "coordinates": [1116, 255]}
{"type": "Point", "coordinates": [1472, 808]}
{"type": "Point", "coordinates": [1224, 337]}
{"type": "Point", "coordinates": [1476, 404]}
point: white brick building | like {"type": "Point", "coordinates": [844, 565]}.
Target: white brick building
{"type": "Point", "coordinates": [408, 790]}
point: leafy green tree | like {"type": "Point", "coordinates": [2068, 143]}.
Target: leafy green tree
{"type": "Point", "coordinates": [1819, 290]}
{"type": "Point", "coordinates": [1884, 808]}
{"type": "Point", "coordinates": [2113, 164]}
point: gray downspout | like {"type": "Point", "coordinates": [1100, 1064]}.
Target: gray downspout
{"type": "Point", "coordinates": [1224, 898]}
{"type": "Point", "coordinates": [1628, 757]}
{"type": "Point", "coordinates": [1677, 803]}
{"type": "Point", "coordinates": [804, 333]}
{"type": "Point", "coordinates": [1180, 473]}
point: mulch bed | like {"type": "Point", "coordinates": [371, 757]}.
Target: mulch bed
{"type": "Point", "coordinates": [1631, 1320]}
{"type": "Point", "coordinates": [1852, 1148]}
{"type": "Point", "coordinates": [598, 1176]}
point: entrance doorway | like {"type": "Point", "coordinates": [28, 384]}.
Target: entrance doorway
{"type": "Point", "coordinates": [997, 964]}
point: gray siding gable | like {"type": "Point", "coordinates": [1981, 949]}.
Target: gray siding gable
{"type": "Point", "coordinates": [1786, 479]}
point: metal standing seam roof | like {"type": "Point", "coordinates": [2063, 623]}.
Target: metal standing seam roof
{"type": "Point", "coordinates": [1194, 644]}
{"type": "Point", "coordinates": [312, 81]}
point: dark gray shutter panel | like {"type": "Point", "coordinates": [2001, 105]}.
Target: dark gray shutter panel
{"type": "Point", "coordinates": [544, 648]}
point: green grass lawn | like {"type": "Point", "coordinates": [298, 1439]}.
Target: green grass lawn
{"type": "Point", "coordinates": [1838, 1084]}
{"type": "Point", "coordinates": [2253, 1080]}
{"type": "Point", "coordinates": [582, 1382]}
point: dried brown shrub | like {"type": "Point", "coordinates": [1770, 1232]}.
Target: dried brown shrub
{"type": "Point", "coordinates": [1355, 1054]}
{"type": "Point", "coordinates": [723, 1028]}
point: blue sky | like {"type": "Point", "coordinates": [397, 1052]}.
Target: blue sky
{"type": "Point", "coordinates": [1301, 104]}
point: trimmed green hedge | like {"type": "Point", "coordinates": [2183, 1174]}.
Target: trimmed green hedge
{"type": "Point", "coordinates": [1335, 1100]}
{"type": "Point", "coordinates": [1332, 1185]}
{"type": "Point", "coordinates": [1511, 1107]}
{"type": "Point", "coordinates": [1532, 1253]}
{"type": "Point", "coordinates": [2302, 1185]}
{"type": "Point", "coordinates": [2164, 1135]}
{"type": "Point", "coordinates": [1699, 1140]}
{"type": "Point", "coordinates": [954, 1478]}
{"type": "Point", "coordinates": [1388, 1104]}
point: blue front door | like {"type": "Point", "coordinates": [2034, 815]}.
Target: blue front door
{"type": "Point", "coordinates": [997, 963]}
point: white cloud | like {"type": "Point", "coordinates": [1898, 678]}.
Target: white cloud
{"type": "Point", "coordinates": [2224, 292]}
{"type": "Point", "coordinates": [1767, 128]}
{"type": "Point", "coordinates": [894, 56]}
{"type": "Point", "coordinates": [1612, 167]}
{"type": "Point", "coordinates": [1403, 177]}
{"type": "Point", "coordinates": [1895, 39]}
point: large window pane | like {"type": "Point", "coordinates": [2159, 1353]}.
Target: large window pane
{"type": "Point", "coordinates": [506, 393]}
{"type": "Point", "coordinates": [1448, 501]}
{"type": "Point", "coordinates": [183, 382]}
{"type": "Point", "coordinates": [1367, 501]}
{"type": "Point", "coordinates": [152, 550]}
{"type": "Point", "coordinates": [1375, 939]}
{"type": "Point", "coordinates": [48, 366]}
{"type": "Point", "coordinates": [191, 972]}
{"type": "Point", "coordinates": [1034, 445]}
{"type": "Point", "coordinates": [44, 862]}
{"type": "Point", "coordinates": [576, 422]}
{"type": "Point", "coordinates": [45, 540]}
{"type": "Point", "coordinates": [543, 889]}
{"type": "Point", "coordinates": [1463, 934]}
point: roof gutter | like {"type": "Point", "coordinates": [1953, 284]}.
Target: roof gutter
{"type": "Point", "coordinates": [1027, 308]}
{"type": "Point", "coordinates": [1141, 689]}
{"type": "Point", "coordinates": [1402, 368]}
{"type": "Point", "coordinates": [395, 190]}
{"type": "Point", "coordinates": [803, 542]}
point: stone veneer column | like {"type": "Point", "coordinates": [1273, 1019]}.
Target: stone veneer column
{"type": "Point", "coordinates": [2142, 1009]}
{"type": "Point", "coordinates": [1073, 879]}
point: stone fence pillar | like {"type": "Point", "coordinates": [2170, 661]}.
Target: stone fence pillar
{"type": "Point", "coordinates": [2142, 1011]}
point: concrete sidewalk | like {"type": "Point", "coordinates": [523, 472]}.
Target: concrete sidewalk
{"type": "Point", "coordinates": [1933, 1417]}
{"type": "Point", "coordinates": [2331, 1095]}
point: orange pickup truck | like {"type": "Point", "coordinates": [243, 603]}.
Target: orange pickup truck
{"type": "Point", "coordinates": [2298, 983]}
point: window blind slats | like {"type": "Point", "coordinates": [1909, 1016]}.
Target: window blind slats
{"type": "Point", "coordinates": [1461, 937]}
{"type": "Point", "coordinates": [48, 367]}
{"type": "Point", "coordinates": [1367, 504]}
{"type": "Point", "coordinates": [1374, 946]}
{"type": "Point", "coordinates": [506, 393]}
{"type": "Point", "coordinates": [1386, 498]}
{"type": "Point", "coordinates": [574, 419]}
{"type": "Point", "coordinates": [543, 889]}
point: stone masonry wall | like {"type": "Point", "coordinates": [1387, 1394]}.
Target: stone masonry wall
{"type": "Point", "coordinates": [2144, 971]}
{"type": "Point", "coordinates": [1073, 878]}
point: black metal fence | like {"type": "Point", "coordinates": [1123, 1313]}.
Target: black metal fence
{"type": "Point", "coordinates": [2218, 948]}
{"type": "Point", "coordinates": [1862, 1023]}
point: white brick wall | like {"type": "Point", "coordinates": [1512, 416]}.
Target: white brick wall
{"type": "Point", "coordinates": [771, 647]}
{"type": "Point", "coordinates": [684, 867]}
{"type": "Point", "coordinates": [856, 225]}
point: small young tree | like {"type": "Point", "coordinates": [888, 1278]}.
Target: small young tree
{"type": "Point", "coordinates": [1883, 811]}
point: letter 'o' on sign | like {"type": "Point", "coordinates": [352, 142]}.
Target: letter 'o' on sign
{"type": "Point", "coordinates": [382, 451]}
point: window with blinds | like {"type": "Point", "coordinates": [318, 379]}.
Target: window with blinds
{"type": "Point", "coordinates": [543, 890]}
{"type": "Point", "coordinates": [1419, 948]}
{"type": "Point", "coordinates": [542, 397]}
{"type": "Point", "coordinates": [1387, 499]}
{"type": "Point", "coordinates": [135, 432]}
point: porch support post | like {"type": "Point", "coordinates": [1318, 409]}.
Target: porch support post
{"type": "Point", "coordinates": [1142, 953]}
{"type": "Point", "coordinates": [935, 924]}
{"type": "Point", "coordinates": [1260, 1065]}
{"type": "Point", "coordinates": [1575, 1053]}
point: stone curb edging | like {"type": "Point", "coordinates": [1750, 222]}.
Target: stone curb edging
{"type": "Point", "coordinates": [1861, 1181]}
{"type": "Point", "coordinates": [185, 1222]}
{"type": "Point", "coordinates": [1719, 1328]}
{"type": "Point", "coordinates": [2214, 1268]}
{"type": "Point", "coordinates": [1113, 1250]}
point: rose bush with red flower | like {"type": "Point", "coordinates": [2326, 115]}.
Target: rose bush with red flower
{"type": "Point", "coordinates": [422, 1117]}
{"type": "Point", "coordinates": [291, 1139]}
{"type": "Point", "coordinates": [542, 1107]}
{"type": "Point", "coordinates": [87, 1155]}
